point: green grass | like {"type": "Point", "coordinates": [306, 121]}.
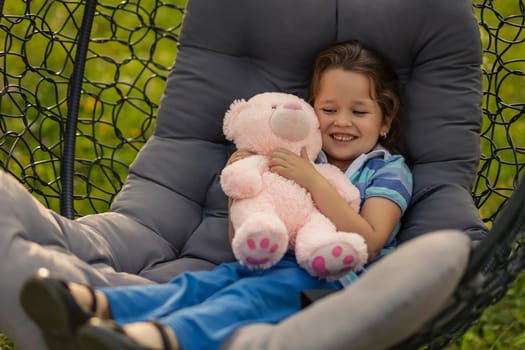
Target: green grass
{"type": "Point", "coordinates": [502, 326]}
{"type": "Point", "coordinates": [5, 343]}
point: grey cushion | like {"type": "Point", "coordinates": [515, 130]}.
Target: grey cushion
{"type": "Point", "coordinates": [233, 49]}
{"type": "Point", "coordinates": [171, 214]}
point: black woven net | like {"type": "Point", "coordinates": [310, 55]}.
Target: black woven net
{"type": "Point", "coordinates": [495, 263]}
{"type": "Point", "coordinates": [502, 26]}
{"type": "Point", "coordinates": [43, 86]}
{"type": "Point", "coordinates": [70, 127]}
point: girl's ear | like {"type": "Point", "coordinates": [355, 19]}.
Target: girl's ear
{"type": "Point", "coordinates": [235, 108]}
{"type": "Point", "coordinates": [387, 124]}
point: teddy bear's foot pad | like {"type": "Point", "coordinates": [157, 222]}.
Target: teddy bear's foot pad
{"type": "Point", "coordinates": [261, 241]}
{"type": "Point", "coordinates": [333, 260]}
{"type": "Point", "coordinates": [261, 249]}
{"type": "Point", "coordinates": [260, 252]}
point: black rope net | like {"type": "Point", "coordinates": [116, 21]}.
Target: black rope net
{"type": "Point", "coordinates": [131, 47]}
{"type": "Point", "coordinates": [497, 261]}
{"type": "Point", "coordinates": [502, 27]}
{"type": "Point", "coordinates": [128, 54]}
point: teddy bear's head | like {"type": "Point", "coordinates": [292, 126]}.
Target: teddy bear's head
{"type": "Point", "coordinates": [271, 120]}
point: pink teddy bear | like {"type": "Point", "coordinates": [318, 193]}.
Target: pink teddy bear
{"type": "Point", "coordinates": [271, 214]}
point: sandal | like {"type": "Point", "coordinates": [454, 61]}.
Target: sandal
{"type": "Point", "coordinates": [49, 303]}
{"type": "Point", "coordinates": [108, 335]}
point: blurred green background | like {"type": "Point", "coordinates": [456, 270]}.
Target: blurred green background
{"type": "Point", "coordinates": [33, 117]}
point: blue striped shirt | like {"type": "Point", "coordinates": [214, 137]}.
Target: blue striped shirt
{"type": "Point", "coordinates": [379, 174]}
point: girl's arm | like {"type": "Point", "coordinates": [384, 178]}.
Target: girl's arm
{"type": "Point", "coordinates": [376, 220]}
{"type": "Point", "coordinates": [237, 155]}
{"type": "Point", "coordinates": [230, 226]}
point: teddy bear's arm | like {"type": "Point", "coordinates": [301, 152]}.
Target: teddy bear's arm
{"type": "Point", "coordinates": [342, 184]}
{"type": "Point", "coordinates": [243, 178]}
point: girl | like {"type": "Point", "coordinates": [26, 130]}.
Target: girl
{"type": "Point", "coordinates": [354, 93]}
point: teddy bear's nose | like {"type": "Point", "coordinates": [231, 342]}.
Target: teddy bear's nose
{"type": "Point", "coordinates": [290, 123]}
{"type": "Point", "coordinates": [292, 105]}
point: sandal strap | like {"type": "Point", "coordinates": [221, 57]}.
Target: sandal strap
{"type": "Point", "coordinates": [115, 327]}
{"type": "Point", "coordinates": [166, 342]}
{"type": "Point", "coordinates": [94, 302]}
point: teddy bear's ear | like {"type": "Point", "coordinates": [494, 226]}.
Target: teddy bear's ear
{"type": "Point", "coordinates": [235, 108]}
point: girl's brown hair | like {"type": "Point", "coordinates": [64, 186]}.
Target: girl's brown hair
{"type": "Point", "coordinates": [353, 56]}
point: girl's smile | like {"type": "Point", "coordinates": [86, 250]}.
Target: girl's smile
{"type": "Point", "coordinates": [342, 137]}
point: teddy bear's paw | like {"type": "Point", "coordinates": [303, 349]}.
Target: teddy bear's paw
{"type": "Point", "coordinates": [261, 241]}
{"type": "Point", "coordinates": [333, 261]}
{"type": "Point", "coordinates": [261, 251]}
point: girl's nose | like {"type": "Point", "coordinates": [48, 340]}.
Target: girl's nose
{"type": "Point", "coordinates": [343, 120]}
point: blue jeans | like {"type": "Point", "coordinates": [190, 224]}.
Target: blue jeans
{"type": "Point", "coordinates": [204, 308]}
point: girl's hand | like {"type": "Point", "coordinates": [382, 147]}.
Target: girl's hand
{"type": "Point", "coordinates": [296, 168]}
{"type": "Point", "coordinates": [238, 155]}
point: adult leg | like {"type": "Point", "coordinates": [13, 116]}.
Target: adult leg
{"type": "Point", "coordinates": [32, 237]}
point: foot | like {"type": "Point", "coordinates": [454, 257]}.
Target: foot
{"type": "Point", "coordinates": [260, 243]}
{"type": "Point", "coordinates": [152, 335]}
{"type": "Point", "coordinates": [93, 302]}
{"type": "Point", "coordinates": [334, 260]}
{"type": "Point", "coordinates": [51, 305]}
{"type": "Point", "coordinates": [107, 335]}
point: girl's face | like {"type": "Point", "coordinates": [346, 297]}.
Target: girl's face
{"type": "Point", "coordinates": [350, 119]}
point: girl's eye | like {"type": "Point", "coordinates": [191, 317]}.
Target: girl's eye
{"type": "Point", "coordinates": [360, 112]}
{"type": "Point", "coordinates": [328, 110]}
